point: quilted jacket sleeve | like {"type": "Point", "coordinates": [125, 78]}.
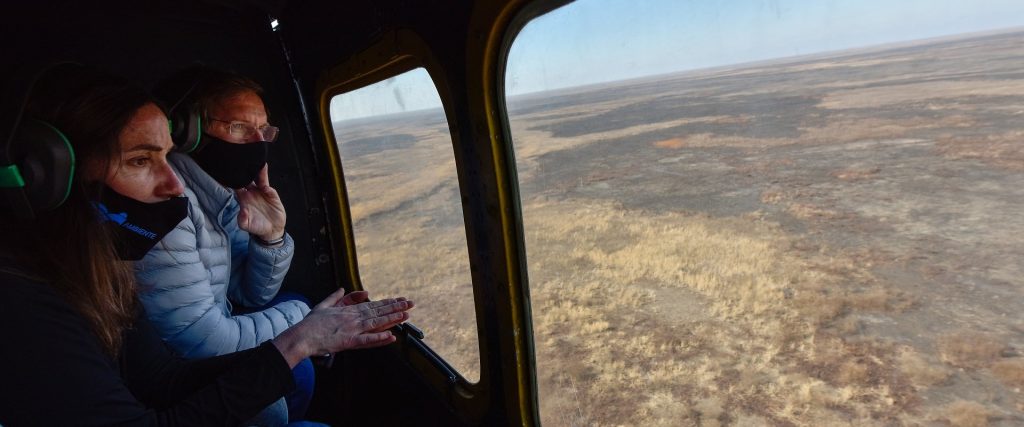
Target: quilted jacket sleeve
{"type": "Point", "coordinates": [257, 272]}
{"type": "Point", "coordinates": [175, 288]}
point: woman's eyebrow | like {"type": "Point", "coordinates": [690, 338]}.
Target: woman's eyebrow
{"type": "Point", "coordinates": [145, 147]}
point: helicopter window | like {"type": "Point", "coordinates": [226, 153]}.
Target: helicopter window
{"type": "Point", "coordinates": [399, 165]}
{"type": "Point", "coordinates": [774, 213]}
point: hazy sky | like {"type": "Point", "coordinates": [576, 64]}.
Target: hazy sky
{"type": "Point", "coordinates": [594, 41]}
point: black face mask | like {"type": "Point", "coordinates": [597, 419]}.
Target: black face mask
{"type": "Point", "coordinates": [139, 226]}
{"type": "Point", "coordinates": [232, 165]}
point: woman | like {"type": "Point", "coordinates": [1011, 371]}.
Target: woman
{"type": "Point", "coordinates": [78, 348]}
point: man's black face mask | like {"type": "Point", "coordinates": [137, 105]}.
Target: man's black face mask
{"type": "Point", "coordinates": [138, 226]}
{"type": "Point", "coordinates": [232, 165]}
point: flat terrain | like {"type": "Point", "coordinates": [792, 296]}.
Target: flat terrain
{"type": "Point", "coordinates": [829, 240]}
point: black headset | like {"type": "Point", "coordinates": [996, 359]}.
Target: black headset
{"type": "Point", "coordinates": [186, 125]}
{"type": "Point", "coordinates": [186, 121]}
{"type": "Point", "coordinates": [37, 162]}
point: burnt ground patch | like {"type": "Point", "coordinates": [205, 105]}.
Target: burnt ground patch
{"type": "Point", "coordinates": [783, 112]}
{"type": "Point", "coordinates": [375, 144]}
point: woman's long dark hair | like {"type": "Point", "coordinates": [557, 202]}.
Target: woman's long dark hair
{"type": "Point", "coordinates": [69, 247]}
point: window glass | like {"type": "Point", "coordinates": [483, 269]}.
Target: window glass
{"type": "Point", "coordinates": [774, 213]}
{"type": "Point", "coordinates": [396, 152]}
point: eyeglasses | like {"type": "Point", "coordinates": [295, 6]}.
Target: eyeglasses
{"type": "Point", "coordinates": [245, 130]}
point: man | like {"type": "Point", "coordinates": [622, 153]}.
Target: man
{"type": "Point", "coordinates": [210, 285]}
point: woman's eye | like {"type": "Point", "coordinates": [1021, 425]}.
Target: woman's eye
{"type": "Point", "coordinates": [138, 161]}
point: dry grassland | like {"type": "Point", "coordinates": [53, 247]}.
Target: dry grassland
{"type": "Point", "coordinates": [440, 284]}
{"type": "Point", "coordinates": [853, 130]}
{"type": "Point", "coordinates": [644, 319]}
{"type": "Point", "coordinates": [396, 197]}
{"type": "Point", "coordinates": [919, 92]}
{"type": "Point", "coordinates": [675, 318]}
{"type": "Point", "coordinates": [417, 171]}
{"type": "Point", "coordinates": [967, 414]}
{"type": "Point", "coordinates": [1002, 150]}
{"type": "Point", "coordinates": [1010, 372]}
{"type": "Point", "coordinates": [969, 349]}
{"type": "Point", "coordinates": [672, 319]}
{"type": "Point", "coordinates": [686, 320]}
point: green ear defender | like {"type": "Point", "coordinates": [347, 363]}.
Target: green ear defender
{"type": "Point", "coordinates": [186, 121]}
{"type": "Point", "coordinates": [186, 128]}
{"type": "Point", "coordinates": [38, 162]}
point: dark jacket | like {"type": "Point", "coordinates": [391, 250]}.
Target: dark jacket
{"type": "Point", "coordinates": [53, 370]}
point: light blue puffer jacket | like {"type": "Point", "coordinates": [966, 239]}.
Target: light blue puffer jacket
{"type": "Point", "coordinates": [190, 279]}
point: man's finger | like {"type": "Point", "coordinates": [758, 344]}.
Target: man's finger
{"type": "Point", "coordinates": [263, 178]}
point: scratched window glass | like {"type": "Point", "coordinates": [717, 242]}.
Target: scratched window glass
{"type": "Point", "coordinates": [794, 213]}
{"type": "Point", "coordinates": [399, 165]}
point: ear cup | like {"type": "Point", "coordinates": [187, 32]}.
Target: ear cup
{"type": "Point", "coordinates": [177, 91]}
{"type": "Point", "coordinates": [186, 128]}
{"type": "Point", "coordinates": [37, 162]}
{"type": "Point", "coordinates": [46, 162]}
